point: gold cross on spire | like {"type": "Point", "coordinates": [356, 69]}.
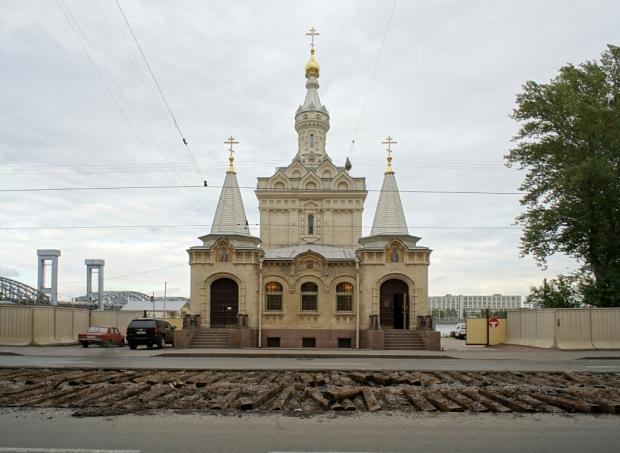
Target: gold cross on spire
{"type": "Point", "coordinates": [312, 33]}
{"type": "Point", "coordinates": [389, 142]}
{"type": "Point", "coordinates": [231, 158]}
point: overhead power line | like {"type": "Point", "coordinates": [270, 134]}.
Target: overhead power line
{"type": "Point", "coordinates": [85, 44]}
{"type": "Point", "coordinates": [372, 77]}
{"type": "Point", "coordinates": [161, 93]}
{"type": "Point", "coordinates": [72, 189]}
{"type": "Point", "coordinates": [206, 225]}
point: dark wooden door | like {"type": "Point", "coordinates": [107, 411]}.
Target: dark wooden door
{"type": "Point", "coordinates": [224, 303]}
{"type": "Point", "coordinates": [394, 310]}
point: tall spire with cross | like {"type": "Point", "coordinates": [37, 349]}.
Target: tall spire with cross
{"type": "Point", "coordinates": [312, 118]}
{"type": "Point", "coordinates": [389, 216]}
{"type": "Point", "coordinates": [230, 215]}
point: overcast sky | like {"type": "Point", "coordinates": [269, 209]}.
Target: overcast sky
{"type": "Point", "coordinates": [444, 88]}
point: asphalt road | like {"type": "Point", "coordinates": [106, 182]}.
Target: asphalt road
{"type": "Point", "coordinates": [56, 431]}
{"type": "Point", "coordinates": [112, 359]}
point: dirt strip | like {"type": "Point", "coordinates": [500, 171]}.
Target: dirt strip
{"type": "Point", "coordinates": [104, 392]}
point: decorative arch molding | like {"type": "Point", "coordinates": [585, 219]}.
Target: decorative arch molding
{"type": "Point", "coordinates": [279, 178]}
{"type": "Point", "coordinates": [223, 251]}
{"type": "Point", "coordinates": [311, 177]}
{"type": "Point", "coordinates": [331, 284]}
{"type": "Point", "coordinates": [296, 167]}
{"type": "Point", "coordinates": [376, 293]}
{"type": "Point", "coordinates": [309, 277]}
{"type": "Point", "coordinates": [277, 278]}
{"type": "Point", "coordinates": [401, 249]}
{"type": "Point", "coordinates": [342, 177]}
{"type": "Point", "coordinates": [327, 166]}
{"type": "Point", "coordinates": [205, 295]}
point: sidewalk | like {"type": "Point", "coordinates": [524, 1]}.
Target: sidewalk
{"type": "Point", "coordinates": [452, 349]}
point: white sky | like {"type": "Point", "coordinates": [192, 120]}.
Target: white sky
{"type": "Point", "coordinates": [444, 88]}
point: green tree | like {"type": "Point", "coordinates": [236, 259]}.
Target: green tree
{"type": "Point", "coordinates": [569, 145]}
{"type": "Point", "coordinates": [561, 292]}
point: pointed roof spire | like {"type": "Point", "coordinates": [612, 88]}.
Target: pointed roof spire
{"type": "Point", "coordinates": [230, 215]}
{"type": "Point", "coordinates": [389, 216]}
{"type": "Point", "coordinates": [312, 103]}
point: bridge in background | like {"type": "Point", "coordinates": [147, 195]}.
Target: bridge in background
{"type": "Point", "coordinates": [20, 293]}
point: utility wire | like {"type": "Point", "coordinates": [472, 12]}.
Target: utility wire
{"type": "Point", "coordinates": [206, 225]}
{"type": "Point", "coordinates": [84, 43]}
{"type": "Point", "coordinates": [163, 97]}
{"type": "Point", "coordinates": [372, 77]}
{"type": "Point", "coordinates": [68, 189]}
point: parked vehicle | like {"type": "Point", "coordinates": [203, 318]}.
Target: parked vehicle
{"type": "Point", "coordinates": [150, 332]}
{"type": "Point", "coordinates": [460, 331]}
{"type": "Point", "coordinates": [103, 336]}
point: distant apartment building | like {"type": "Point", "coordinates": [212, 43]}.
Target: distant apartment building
{"type": "Point", "coordinates": [452, 306]}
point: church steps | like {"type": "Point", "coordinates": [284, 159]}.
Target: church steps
{"type": "Point", "coordinates": [403, 339]}
{"type": "Point", "coordinates": [211, 338]}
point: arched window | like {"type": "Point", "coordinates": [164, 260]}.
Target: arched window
{"type": "Point", "coordinates": [310, 224]}
{"type": "Point", "coordinates": [395, 258]}
{"type": "Point", "coordinates": [273, 296]}
{"type": "Point", "coordinates": [309, 296]}
{"type": "Point", "coordinates": [312, 141]}
{"type": "Point", "coordinates": [344, 297]}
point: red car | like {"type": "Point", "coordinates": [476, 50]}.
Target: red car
{"type": "Point", "coordinates": [103, 336]}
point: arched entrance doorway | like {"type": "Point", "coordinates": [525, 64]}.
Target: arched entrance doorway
{"type": "Point", "coordinates": [224, 303]}
{"type": "Point", "coordinates": [394, 304]}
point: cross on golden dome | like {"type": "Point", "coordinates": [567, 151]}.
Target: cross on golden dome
{"type": "Point", "coordinates": [231, 158]}
{"type": "Point", "coordinates": [389, 142]}
{"type": "Point", "coordinates": [312, 33]}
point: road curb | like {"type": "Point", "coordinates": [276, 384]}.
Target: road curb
{"type": "Point", "coordinates": [301, 355]}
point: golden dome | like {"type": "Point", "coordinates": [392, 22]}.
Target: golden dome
{"type": "Point", "coordinates": [312, 67]}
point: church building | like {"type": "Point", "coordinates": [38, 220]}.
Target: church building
{"type": "Point", "coordinates": [311, 279]}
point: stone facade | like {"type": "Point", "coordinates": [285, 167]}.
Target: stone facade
{"type": "Point", "coordinates": [311, 279]}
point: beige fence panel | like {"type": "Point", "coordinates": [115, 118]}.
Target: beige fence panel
{"type": "Point", "coordinates": [119, 319]}
{"type": "Point", "coordinates": [63, 330]}
{"type": "Point", "coordinates": [545, 329]}
{"type": "Point", "coordinates": [528, 328]}
{"type": "Point", "coordinates": [476, 331]}
{"type": "Point", "coordinates": [43, 325]}
{"type": "Point", "coordinates": [81, 320]}
{"type": "Point", "coordinates": [573, 329]}
{"type": "Point", "coordinates": [513, 329]}
{"type": "Point", "coordinates": [103, 318]}
{"type": "Point", "coordinates": [531, 328]}
{"type": "Point", "coordinates": [497, 334]}
{"type": "Point", "coordinates": [125, 317]}
{"type": "Point", "coordinates": [15, 326]}
{"type": "Point", "coordinates": [606, 328]}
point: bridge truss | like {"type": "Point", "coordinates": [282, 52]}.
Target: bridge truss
{"type": "Point", "coordinates": [14, 291]}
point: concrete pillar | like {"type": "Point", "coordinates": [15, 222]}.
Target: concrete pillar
{"type": "Point", "coordinates": [43, 256]}
{"type": "Point", "coordinates": [98, 265]}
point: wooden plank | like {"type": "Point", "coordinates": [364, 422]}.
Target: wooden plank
{"type": "Point", "coordinates": [464, 402]}
{"type": "Point", "coordinates": [282, 399]}
{"type": "Point", "coordinates": [488, 403]}
{"type": "Point", "coordinates": [227, 400]}
{"type": "Point", "coordinates": [417, 399]}
{"type": "Point", "coordinates": [337, 394]}
{"type": "Point", "coordinates": [246, 404]}
{"type": "Point", "coordinates": [507, 401]}
{"type": "Point", "coordinates": [316, 396]}
{"type": "Point", "coordinates": [567, 404]}
{"type": "Point", "coordinates": [371, 401]}
{"type": "Point", "coordinates": [441, 402]}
